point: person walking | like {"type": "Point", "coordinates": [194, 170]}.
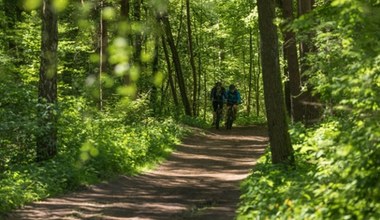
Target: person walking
{"type": "Point", "coordinates": [218, 97]}
{"type": "Point", "coordinates": [233, 99]}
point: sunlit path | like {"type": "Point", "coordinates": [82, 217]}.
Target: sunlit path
{"type": "Point", "coordinates": [199, 181]}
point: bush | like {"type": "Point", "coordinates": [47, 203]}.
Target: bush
{"type": "Point", "coordinates": [331, 181]}
{"type": "Point", "coordinates": [93, 146]}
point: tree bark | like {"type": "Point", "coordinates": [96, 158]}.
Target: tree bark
{"type": "Point", "coordinates": [125, 7]}
{"type": "Point", "coordinates": [47, 89]}
{"type": "Point", "coordinates": [250, 71]}
{"type": "Point", "coordinates": [170, 75]}
{"type": "Point", "coordinates": [200, 67]}
{"type": "Point", "coordinates": [103, 44]}
{"type": "Point", "coordinates": [279, 138]}
{"type": "Point", "coordinates": [138, 36]}
{"type": "Point", "coordinates": [304, 6]}
{"type": "Point", "coordinates": [311, 109]}
{"type": "Point", "coordinates": [192, 61]}
{"type": "Point", "coordinates": [177, 64]}
{"type": "Point", "coordinates": [292, 68]}
{"type": "Point", "coordinates": [155, 69]}
{"type": "Point", "coordinates": [179, 30]}
{"type": "Point", "coordinates": [257, 78]}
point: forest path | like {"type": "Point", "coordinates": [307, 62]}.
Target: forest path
{"type": "Point", "coordinates": [200, 180]}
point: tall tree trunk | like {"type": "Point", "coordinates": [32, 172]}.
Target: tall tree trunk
{"type": "Point", "coordinates": [47, 89]}
{"type": "Point", "coordinates": [200, 67]}
{"type": "Point", "coordinates": [199, 79]}
{"type": "Point", "coordinates": [177, 64]}
{"type": "Point", "coordinates": [199, 99]}
{"type": "Point", "coordinates": [180, 19]}
{"type": "Point", "coordinates": [155, 68]}
{"type": "Point", "coordinates": [170, 75]}
{"type": "Point", "coordinates": [138, 37]}
{"type": "Point", "coordinates": [205, 92]}
{"type": "Point", "coordinates": [304, 6]}
{"type": "Point", "coordinates": [291, 56]}
{"type": "Point", "coordinates": [311, 109]}
{"type": "Point", "coordinates": [257, 87]}
{"type": "Point", "coordinates": [192, 61]}
{"type": "Point", "coordinates": [125, 7]}
{"type": "Point", "coordinates": [103, 44]}
{"type": "Point", "coordinates": [279, 138]}
{"type": "Point", "coordinates": [250, 71]}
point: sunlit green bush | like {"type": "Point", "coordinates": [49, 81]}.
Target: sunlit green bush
{"type": "Point", "coordinates": [93, 146]}
{"type": "Point", "coordinates": [244, 119]}
{"type": "Point", "coordinates": [16, 120]}
{"type": "Point", "coordinates": [323, 186]}
{"type": "Point", "coordinates": [196, 122]}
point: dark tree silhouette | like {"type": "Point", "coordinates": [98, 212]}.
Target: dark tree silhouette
{"type": "Point", "coordinates": [281, 148]}
{"type": "Point", "coordinates": [177, 63]}
{"type": "Point", "coordinates": [47, 90]}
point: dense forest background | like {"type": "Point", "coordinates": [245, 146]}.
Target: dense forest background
{"type": "Point", "coordinates": [95, 88]}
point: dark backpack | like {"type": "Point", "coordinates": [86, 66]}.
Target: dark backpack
{"type": "Point", "coordinates": [232, 97]}
{"type": "Point", "coordinates": [218, 94]}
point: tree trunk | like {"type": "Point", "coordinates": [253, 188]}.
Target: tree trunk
{"type": "Point", "coordinates": [155, 69]}
{"type": "Point", "coordinates": [125, 7]}
{"type": "Point", "coordinates": [281, 148]}
{"type": "Point", "coordinates": [47, 89]}
{"type": "Point", "coordinates": [257, 81]}
{"type": "Point", "coordinates": [250, 71]}
{"type": "Point", "coordinates": [179, 30]}
{"type": "Point", "coordinates": [199, 99]}
{"type": "Point", "coordinates": [103, 44]}
{"type": "Point", "coordinates": [138, 37]}
{"type": "Point", "coordinates": [291, 57]}
{"type": "Point", "coordinates": [311, 109]}
{"type": "Point", "coordinates": [177, 64]}
{"type": "Point", "coordinates": [170, 76]}
{"type": "Point", "coordinates": [304, 6]}
{"type": "Point", "coordinates": [200, 68]}
{"type": "Point", "coordinates": [192, 61]}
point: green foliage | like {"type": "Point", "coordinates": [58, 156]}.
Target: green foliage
{"type": "Point", "coordinates": [195, 122]}
{"type": "Point", "coordinates": [93, 146]}
{"type": "Point", "coordinates": [323, 186]}
{"type": "Point", "coordinates": [337, 175]}
{"type": "Point", "coordinates": [245, 119]}
{"type": "Point", "coordinates": [16, 117]}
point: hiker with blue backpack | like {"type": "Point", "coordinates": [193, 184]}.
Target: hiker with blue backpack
{"type": "Point", "coordinates": [233, 99]}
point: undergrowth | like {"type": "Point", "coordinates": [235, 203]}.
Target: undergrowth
{"type": "Point", "coordinates": [338, 165]}
{"type": "Point", "coordinates": [330, 180]}
{"type": "Point", "coordinates": [93, 147]}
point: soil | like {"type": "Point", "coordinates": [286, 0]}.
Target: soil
{"type": "Point", "coordinates": [200, 180]}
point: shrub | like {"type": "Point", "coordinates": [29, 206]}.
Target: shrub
{"type": "Point", "coordinates": [93, 146]}
{"type": "Point", "coordinates": [331, 181]}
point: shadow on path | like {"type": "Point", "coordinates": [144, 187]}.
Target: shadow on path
{"type": "Point", "coordinates": [198, 181]}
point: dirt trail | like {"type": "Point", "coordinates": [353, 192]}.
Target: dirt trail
{"type": "Point", "coordinates": [198, 181]}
